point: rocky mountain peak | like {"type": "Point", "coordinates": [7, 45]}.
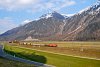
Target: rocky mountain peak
{"type": "Point", "coordinates": [91, 9]}
{"type": "Point", "coordinates": [83, 26]}
{"type": "Point", "coordinates": [53, 14]}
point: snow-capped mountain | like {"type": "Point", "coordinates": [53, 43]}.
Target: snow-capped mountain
{"type": "Point", "coordinates": [84, 25]}
{"type": "Point", "coordinates": [91, 9]}
{"type": "Point", "coordinates": [68, 15]}
{"type": "Point", "coordinates": [47, 25]}
{"type": "Point", "coordinates": [54, 14]}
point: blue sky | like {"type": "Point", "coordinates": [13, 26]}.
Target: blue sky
{"type": "Point", "coordinates": [14, 13]}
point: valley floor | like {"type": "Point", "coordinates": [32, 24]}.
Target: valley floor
{"type": "Point", "coordinates": [84, 49]}
{"type": "Point", "coordinates": [55, 59]}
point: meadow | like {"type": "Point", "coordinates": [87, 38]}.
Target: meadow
{"type": "Point", "coordinates": [84, 49]}
{"type": "Point", "coordinates": [50, 58]}
{"type": "Point", "coordinates": [65, 44]}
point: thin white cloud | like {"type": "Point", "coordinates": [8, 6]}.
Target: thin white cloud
{"type": "Point", "coordinates": [63, 4]}
{"type": "Point", "coordinates": [16, 4]}
{"type": "Point", "coordinates": [6, 24]}
{"type": "Point", "coordinates": [83, 1]}
{"type": "Point", "coordinates": [35, 5]}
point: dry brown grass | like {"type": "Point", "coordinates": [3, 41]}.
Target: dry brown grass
{"type": "Point", "coordinates": [76, 51]}
{"type": "Point", "coordinates": [85, 49]}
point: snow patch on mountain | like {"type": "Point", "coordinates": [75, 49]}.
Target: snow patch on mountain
{"type": "Point", "coordinates": [83, 10]}
{"type": "Point", "coordinates": [54, 14]}
{"type": "Point", "coordinates": [67, 15]}
{"type": "Point", "coordinates": [46, 15]}
{"type": "Point", "coordinates": [91, 8]}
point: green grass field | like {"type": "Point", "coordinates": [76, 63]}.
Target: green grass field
{"type": "Point", "coordinates": [10, 63]}
{"type": "Point", "coordinates": [52, 59]}
{"type": "Point", "coordinates": [76, 48]}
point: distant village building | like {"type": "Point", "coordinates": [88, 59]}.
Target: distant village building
{"type": "Point", "coordinates": [31, 39]}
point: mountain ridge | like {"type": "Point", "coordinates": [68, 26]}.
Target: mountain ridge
{"type": "Point", "coordinates": [82, 26]}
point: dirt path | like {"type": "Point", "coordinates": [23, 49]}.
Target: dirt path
{"type": "Point", "coordinates": [3, 54]}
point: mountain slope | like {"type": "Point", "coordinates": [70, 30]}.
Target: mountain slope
{"type": "Point", "coordinates": [44, 27]}
{"type": "Point", "coordinates": [83, 26]}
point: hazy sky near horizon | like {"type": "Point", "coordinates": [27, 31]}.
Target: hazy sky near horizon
{"type": "Point", "coordinates": [17, 12]}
